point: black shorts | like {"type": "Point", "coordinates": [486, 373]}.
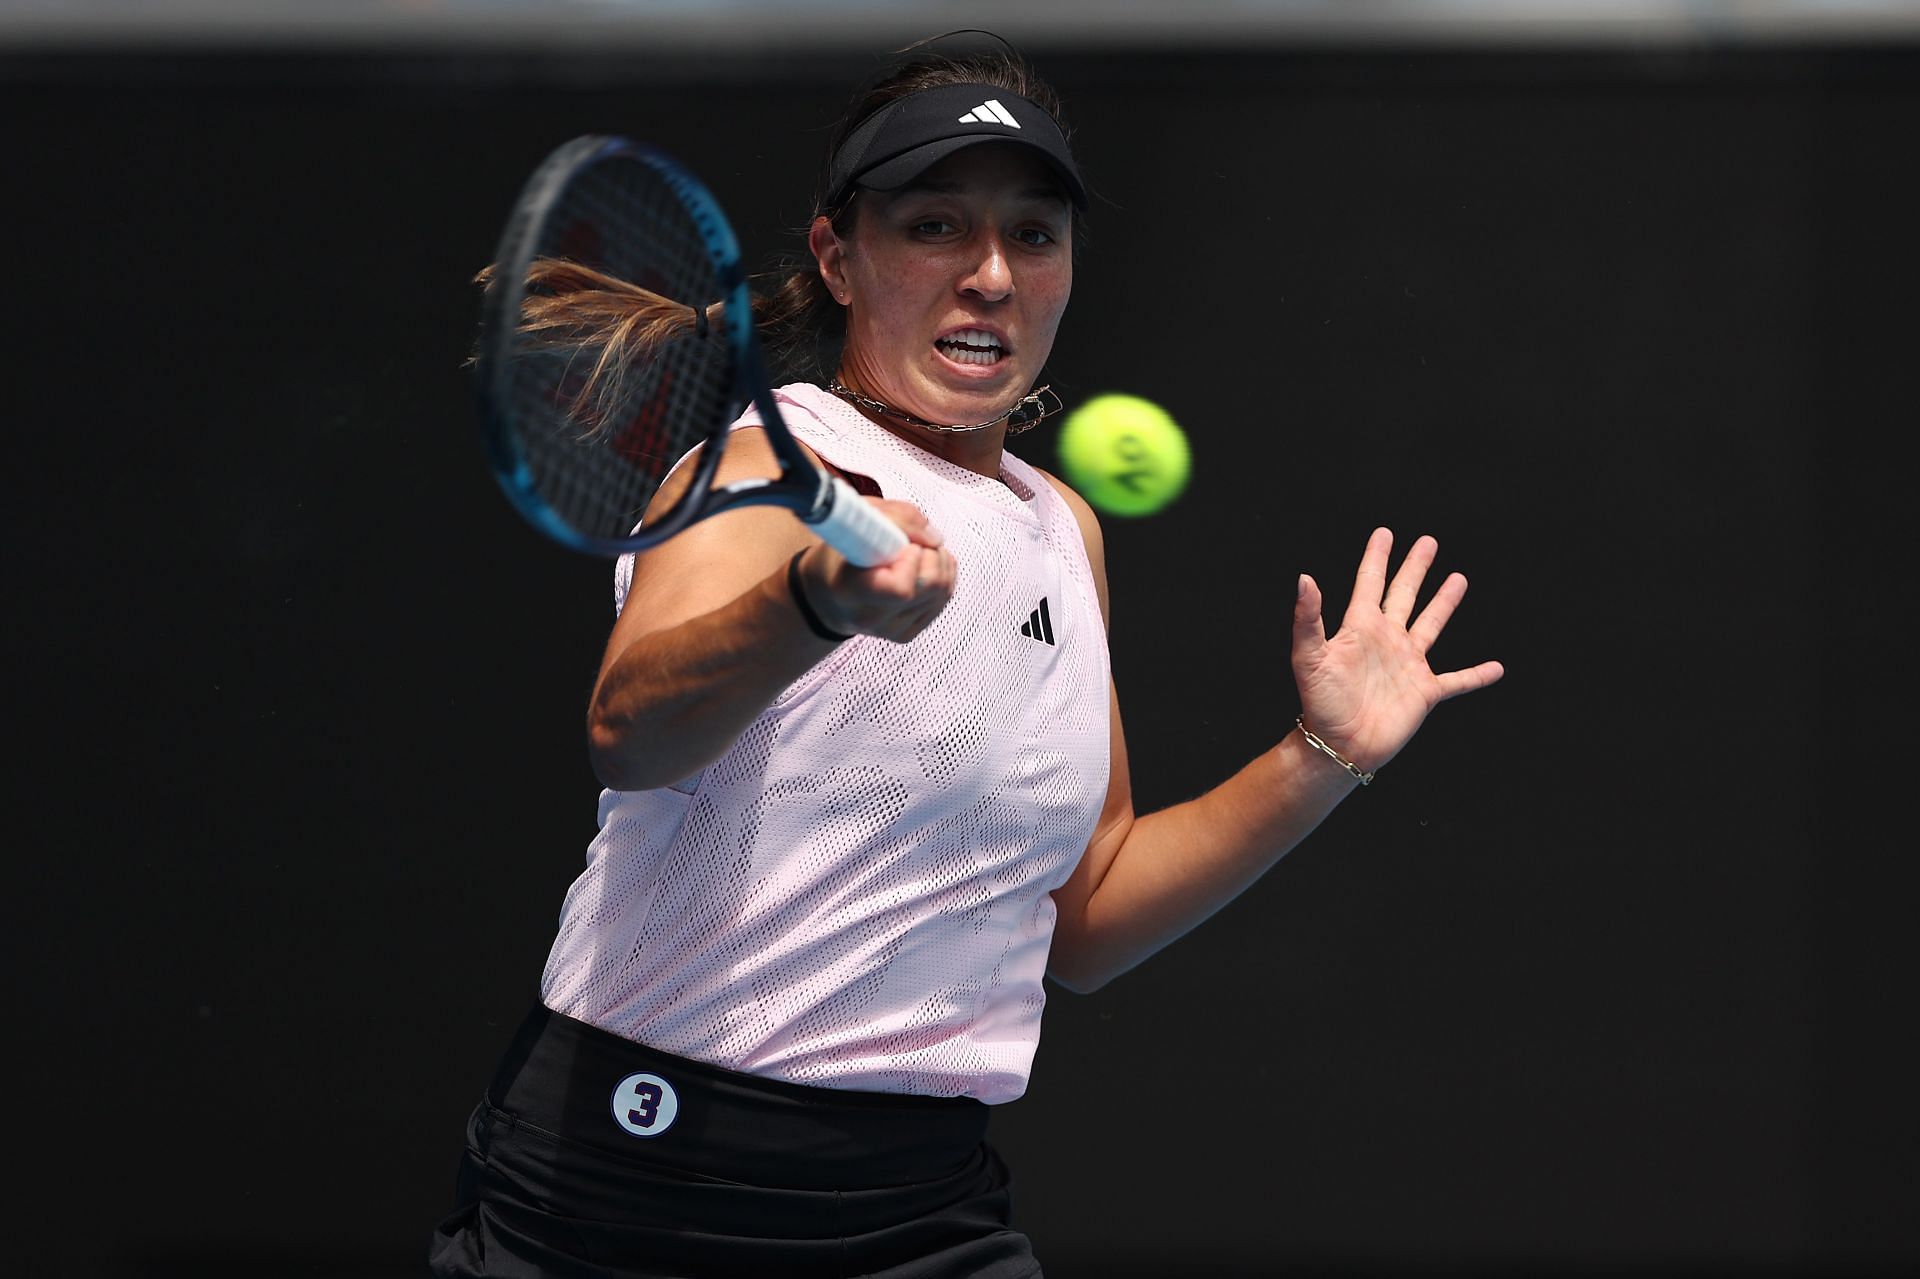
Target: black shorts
{"type": "Point", "coordinates": [594, 1156]}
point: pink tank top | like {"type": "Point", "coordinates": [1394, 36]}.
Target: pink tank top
{"type": "Point", "coordinates": [856, 894]}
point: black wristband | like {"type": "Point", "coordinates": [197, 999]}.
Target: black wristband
{"type": "Point", "coordinates": [813, 621]}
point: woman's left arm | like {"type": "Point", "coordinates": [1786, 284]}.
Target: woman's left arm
{"type": "Point", "coordinates": [1146, 880]}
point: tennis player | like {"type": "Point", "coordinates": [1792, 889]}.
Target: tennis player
{"type": "Point", "coordinates": [853, 817]}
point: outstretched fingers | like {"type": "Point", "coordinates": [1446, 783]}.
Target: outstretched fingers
{"type": "Point", "coordinates": [1426, 630]}
{"type": "Point", "coordinates": [1309, 624]}
{"type": "Point", "coordinates": [1405, 587]}
{"type": "Point", "coordinates": [1433, 619]}
{"type": "Point", "coordinates": [1454, 683]}
{"type": "Point", "coordinates": [1370, 580]}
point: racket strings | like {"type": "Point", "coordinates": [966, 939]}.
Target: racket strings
{"type": "Point", "coordinates": [620, 362]}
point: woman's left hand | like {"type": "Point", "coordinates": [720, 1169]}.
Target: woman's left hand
{"type": "Point", "coordinates": [1367, 690]}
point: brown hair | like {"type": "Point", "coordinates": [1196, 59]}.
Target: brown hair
{"type": "Point", "coordinates": [572, 307]}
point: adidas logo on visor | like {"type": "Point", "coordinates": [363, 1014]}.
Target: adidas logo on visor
{"type": "Point", "coordinates": [989, 112]}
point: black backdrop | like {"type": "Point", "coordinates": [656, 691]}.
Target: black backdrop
{"type": "Point", "coordinates": [1607, 973]}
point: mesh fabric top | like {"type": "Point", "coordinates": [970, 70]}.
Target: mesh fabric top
{"type": "Point", "coordinates": [856, 894]}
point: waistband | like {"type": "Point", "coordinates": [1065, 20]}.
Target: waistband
{"type": "Point", "coordinates": [587, 1085]}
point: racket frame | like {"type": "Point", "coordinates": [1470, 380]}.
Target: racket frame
{"type": "Point", "coordinates": [803, 486]}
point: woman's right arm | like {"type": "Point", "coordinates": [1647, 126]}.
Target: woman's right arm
{"type": "Point", "coordinates": [710, 633]}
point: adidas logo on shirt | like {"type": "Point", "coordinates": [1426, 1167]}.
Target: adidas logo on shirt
{"type": "Point", "coordinates": [1039, 626]}
{"type": "Point", "coordinates": [990, 112]}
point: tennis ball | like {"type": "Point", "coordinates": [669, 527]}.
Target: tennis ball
{"type": "Point", "coordinates": [1124, 454]}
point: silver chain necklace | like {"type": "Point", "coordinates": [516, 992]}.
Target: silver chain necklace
{"type": "Point", "coordinates": [1023, 416]}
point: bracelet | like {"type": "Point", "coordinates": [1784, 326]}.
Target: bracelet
{"type": "Point", "coordinates": [1314, 741]}
{"type": "Point", "coordinates": [814, 623]}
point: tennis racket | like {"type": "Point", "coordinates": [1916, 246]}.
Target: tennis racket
{"type": "Point", "coordinates": [616, 334]}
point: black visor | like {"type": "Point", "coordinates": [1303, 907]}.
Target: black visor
{"type": "Point", "coordinates": [901, 140]}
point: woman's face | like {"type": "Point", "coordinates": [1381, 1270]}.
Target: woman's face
{"type": "Point", "coordinates": [955, 285]}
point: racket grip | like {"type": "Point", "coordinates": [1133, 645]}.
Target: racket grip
{"type": "Point", "coordinates": [855, 527]}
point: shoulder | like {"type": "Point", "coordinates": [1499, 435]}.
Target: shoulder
{"type": "Point", "coordinates": [1090, 534]}
{"type": "Point", "coordinates": [803, 409]}
{"type": "Point", "coordinates": [1083, 513]}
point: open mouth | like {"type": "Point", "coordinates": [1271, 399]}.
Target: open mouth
{"type": "Point", "coordinates": [972, 346]}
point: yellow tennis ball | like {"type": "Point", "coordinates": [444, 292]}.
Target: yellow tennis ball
{"type": "Point", "coordinates": [1124, 454]}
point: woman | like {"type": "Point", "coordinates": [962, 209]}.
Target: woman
{"type": "Point", "coordinates": [854, 816]}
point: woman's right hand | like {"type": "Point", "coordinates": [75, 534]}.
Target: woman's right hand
{"type": "Point", "coordinates": [896, 600]}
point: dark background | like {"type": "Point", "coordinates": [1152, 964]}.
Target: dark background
{"type": "Point", "coordinates": [1608, 973]}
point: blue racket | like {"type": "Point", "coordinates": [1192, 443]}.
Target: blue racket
{"type": "Point", "coordinates": [617, 334]}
